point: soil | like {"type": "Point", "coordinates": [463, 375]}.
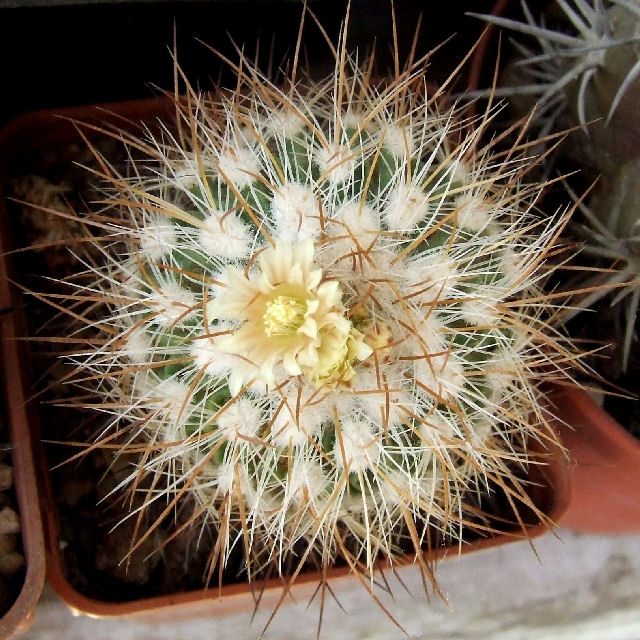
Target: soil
{"type": "Point", "coordinates": [12, 569]}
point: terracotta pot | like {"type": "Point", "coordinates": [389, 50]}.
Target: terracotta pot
{"type": "Point", "coordinates": [550, 486]}
{"type": "Point", "coordinates": [605, 462]}
{"type": "Point", "coordinates": [22, 425]}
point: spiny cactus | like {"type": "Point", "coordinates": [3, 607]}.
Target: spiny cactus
{"type": "Point", "coordinates": [611, 237]}
{"type": "Point", "coordinates": [585, 68]}
{"type": "Point", "coordinates": [585, 73]}
{"type": "Point", "coordinates": [321, 316]}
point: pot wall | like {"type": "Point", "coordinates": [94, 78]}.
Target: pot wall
{"type": "Point", "coordinates": [22, 424]}
{"type": "Point", "coordinates": [605, 463]}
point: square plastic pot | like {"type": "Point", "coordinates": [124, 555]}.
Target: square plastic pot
{"type": "Point", "coordinates": [44, 131]}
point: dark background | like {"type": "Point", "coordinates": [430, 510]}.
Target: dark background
{"type": "Point", "coordinates": [65, 52]}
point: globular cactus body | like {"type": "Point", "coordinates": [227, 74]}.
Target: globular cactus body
{"type": "Point", "coordinates": [322, 316]}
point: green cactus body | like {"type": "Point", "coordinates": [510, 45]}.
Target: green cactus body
{"type": "Point", "coordinates": [325, 317]}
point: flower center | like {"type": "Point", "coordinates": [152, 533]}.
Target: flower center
{"type": "Point", "coordinates": [283, 316]}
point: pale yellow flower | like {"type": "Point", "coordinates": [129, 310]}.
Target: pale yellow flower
{"type": "Point", "coordinates": [288, 317]}
{"type": "Point", "coordinates": [377, 335]}
{"type": "Point", "coordinates": [340, 347]}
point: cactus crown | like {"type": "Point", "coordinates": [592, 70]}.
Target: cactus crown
{"type": "Point", "coordinates": [321, 309]}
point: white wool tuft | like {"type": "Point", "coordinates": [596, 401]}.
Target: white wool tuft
{"type": "Point", "coordinates": [361, 445]}
{"type": "Point", "coordinates": [237, 164]}
{"type": "Point", "coordinates": [407, 207]}
{"type": "Point", "coordinates": [172, 304]}
{"type": "Point", "coordinates": [226, 236]}
{"type": "Point", "coordinates": [157, 238]}
{"type": "Point", "coordinates": [296, 213]}
{"type": "Point", "coordinates": [242, 417]}
{"type": "Point", "coordinates": [337, 162]}
{"type": "Point", "coordinates": [474, 213]}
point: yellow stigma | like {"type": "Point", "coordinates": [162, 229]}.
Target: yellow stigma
{"type": "Point", "coordinates": [282, 316]}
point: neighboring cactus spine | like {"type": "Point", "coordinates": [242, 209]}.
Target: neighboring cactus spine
{"type": "Point", "coordinates": [585, 69]}
{"type": "Point", "coordinates": [585, 73]}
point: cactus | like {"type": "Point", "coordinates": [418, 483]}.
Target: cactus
{"type": "Point", "coordinates": [585, 74]}
{"type": "Point", "coordinates": [321, 318]}
{"type": "Point", "coordinates": [586, 69]}
{"type": "Point", "coordinates": [610, 238]}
